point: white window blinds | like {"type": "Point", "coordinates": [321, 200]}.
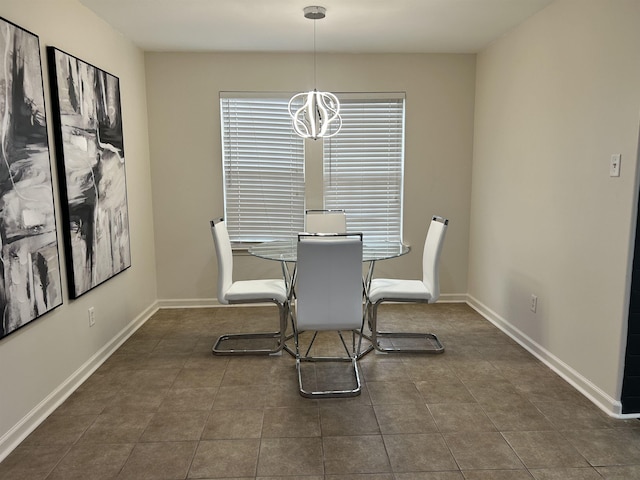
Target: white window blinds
{"type": "Point", "coordinates": [364, 165]}
{"type": "Point", "coordinates": [263, 165]}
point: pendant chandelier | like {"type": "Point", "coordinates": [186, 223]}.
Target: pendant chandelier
{"type": "Point", "coordinates": [314, 112]}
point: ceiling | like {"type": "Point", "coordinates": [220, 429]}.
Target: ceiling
{"type": "Point", "coordinates": [351, 26]}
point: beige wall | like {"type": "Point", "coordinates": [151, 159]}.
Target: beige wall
{"type": "Point", "coordinates": [554, 99]}
{"type": "Point", "coordinates": [184, 122]}
{"type": "Point", "coordinates": [41, 362]}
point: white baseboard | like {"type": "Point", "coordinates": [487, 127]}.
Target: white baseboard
{"type": "Point", "coordinates": [604, 401]}
{"type": "Point", "coordinates": [452, 298]}
{"type": "Point", "coordinates": [188, 303]}
{"type": "Point", "coordinates": [40, 412]}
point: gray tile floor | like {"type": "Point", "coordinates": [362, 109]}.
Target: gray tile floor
{"type": "Point", "coordinates": [163, 407]}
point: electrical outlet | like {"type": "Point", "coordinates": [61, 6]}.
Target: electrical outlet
{"type": "Point", "coordinates": [614, 165]}
{"type": "Point", "coordinates": [92, 317]}
{"type": "Point", "coordinates": [534, 303]}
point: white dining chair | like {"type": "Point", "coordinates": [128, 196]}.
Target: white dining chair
{"type": "Point", "coordinates": [329, 298]}
{"type": "Point", "coordinates": [325, 221]}
{"type": "Point", "coordinates": [246, 291]}
{"type": "Point", "coordinates": [426, 290]}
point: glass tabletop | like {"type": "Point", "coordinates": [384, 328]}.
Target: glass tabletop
{"type": "Point", "coordinates": [286, 250]}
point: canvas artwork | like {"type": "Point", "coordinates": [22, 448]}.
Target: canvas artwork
{"type": "Point", "coordinates": [30, 283]}
{"type": "Point", "coordinates": [90, 153]}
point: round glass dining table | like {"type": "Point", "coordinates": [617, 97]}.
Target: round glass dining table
{"type": "Point", "coordinates": [287, 250]}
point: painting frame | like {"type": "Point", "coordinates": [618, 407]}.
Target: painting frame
{"type": "Point", "coordinates": [90, 155]}
{"type": "Point", "coordinates": [30, 277]}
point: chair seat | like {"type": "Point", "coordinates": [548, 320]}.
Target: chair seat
{"type": "Point", "coordinates": [248, 290]}
{"type": "Point", "coordinates": [400, 289]}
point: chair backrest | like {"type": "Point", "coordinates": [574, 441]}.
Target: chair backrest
{"type": "Point", "coordinates": [431, 255]}
{"type": "Point", "coordinates": [329, 282]}
{"type": "Point", "coordinates": [224, 255]}
{"type": "Point", "coordinates": [325, 221]}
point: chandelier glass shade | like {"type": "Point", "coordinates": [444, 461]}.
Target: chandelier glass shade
{"type": "Point", "coordinates": [315, 114]}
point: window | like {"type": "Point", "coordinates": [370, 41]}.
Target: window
{"type": "Point", "coordinates": [363, 166]}
{"type": "Point", "coordinates": [264, 166]}
{"type": "Point", "coordinates": [263, 169]}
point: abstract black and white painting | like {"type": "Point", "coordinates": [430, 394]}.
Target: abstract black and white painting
{"type": "Point", "coordinates": [90, 154]}
{"type": "Point", "coordinates": [30, 283]}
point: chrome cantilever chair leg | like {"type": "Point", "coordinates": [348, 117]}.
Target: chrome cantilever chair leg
{"type": "Point", "coordinates": [400, 342]}
{"type": "Point", "coordinates": [250, 343]}
{"type": "Point", "coordinates": [350, 358]}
